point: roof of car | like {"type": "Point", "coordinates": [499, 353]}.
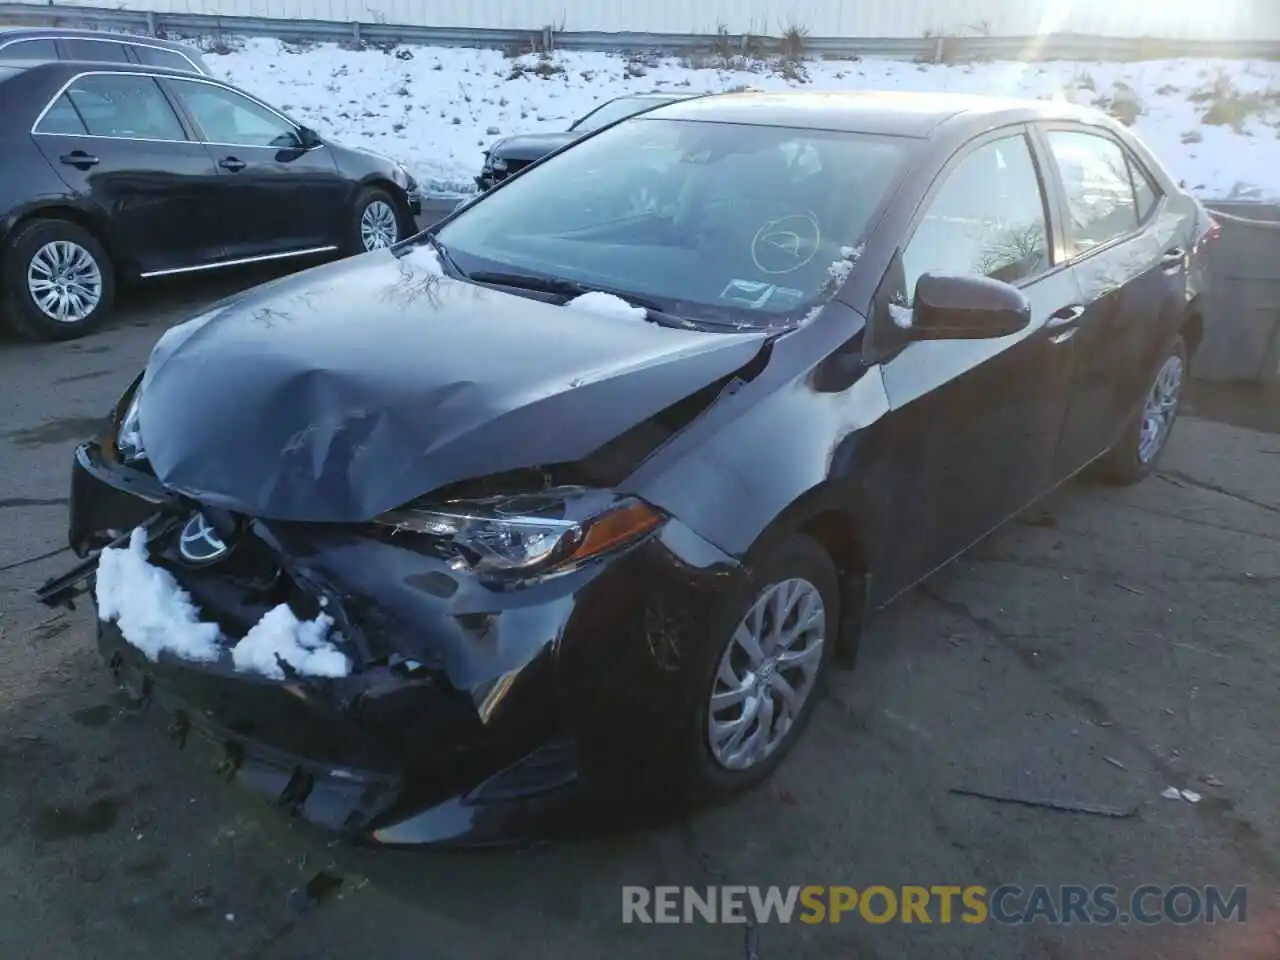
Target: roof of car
{"type": "Point", "coordinates": [72, 67]}
{"type": "Point", "coordinates": [889, 113]}
{"type": "Point", "coordinates": [35, 33]}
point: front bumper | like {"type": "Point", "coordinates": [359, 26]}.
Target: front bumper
{"type": "Point", "coordinates": [472, 717]}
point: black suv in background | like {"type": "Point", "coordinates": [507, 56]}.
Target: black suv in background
{"type": "Point", "coordinates": [55, 43]}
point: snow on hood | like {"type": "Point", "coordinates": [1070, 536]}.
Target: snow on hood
{"type": "Point", "coordinates": [157, 616]}
{"type": "Point", "coordinates": [351, 389]}
{"type": "Point", "coordinates": [606, 304]}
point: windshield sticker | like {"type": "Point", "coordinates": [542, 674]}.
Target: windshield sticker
{"type": "Point", "coordinates": [757, 295]}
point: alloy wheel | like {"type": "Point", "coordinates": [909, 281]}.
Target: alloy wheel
{"type": "Point", "coordinates": [1161, 408]}
{"type": "Point", "coordinates": [64, 281]}
{"type": "Point", "coordinates": [379, 228]}
{"type": "Point", "coordinates": [766, 675]}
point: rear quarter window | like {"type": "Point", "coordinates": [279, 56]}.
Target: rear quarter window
{"type": "Point", "coordinates": [155, 57]}
{"type": "Point", "coordinates": [33, 49]}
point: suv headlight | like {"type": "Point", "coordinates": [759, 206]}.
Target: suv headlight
{"type": "Point", "coordinates": [554, 529]}
{"type": "Point", "coordinates": [129, 432]}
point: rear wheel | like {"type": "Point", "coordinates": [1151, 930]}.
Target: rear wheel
{"type": "Point", "coordinates": [1137, 454]}
{"type": "Point", "coordinates": [59, 282]}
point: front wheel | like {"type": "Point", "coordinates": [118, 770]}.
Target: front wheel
{"type": "Point", "coordinates": [58, 280]}
{"type": "Point", "coordinates": [766, 671]}
{"type": "Point", "coordinates": [375, 222]}
{"type": "Point", "coordinates": [1135, 457]}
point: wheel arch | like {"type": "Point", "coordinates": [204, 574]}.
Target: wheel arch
{"type": "Point", "coordinates": [380, 181]}
{"type": "Point", "coordinates": [69, 213]}
{"type": "Point", "coordinates": [828, 515]}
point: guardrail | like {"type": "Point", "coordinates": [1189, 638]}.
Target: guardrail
{"type": "Point", "coordinates": [937, 49]}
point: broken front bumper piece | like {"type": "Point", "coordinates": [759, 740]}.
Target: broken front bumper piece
{"type": "Point", "coordinates": [470, 715]}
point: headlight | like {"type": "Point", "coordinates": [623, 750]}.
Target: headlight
{"type": "Point", "coordinates": [129, 432]}
{"type": "Point", "coordinates": [528, 533]}
{"type": "Point", "coordinates": [499, 164]}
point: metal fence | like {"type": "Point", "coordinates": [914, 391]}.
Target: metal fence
{"type": "Point", "coordinates": [940, 48]}
{"type": "Point", "coordinates": [1242, 319]}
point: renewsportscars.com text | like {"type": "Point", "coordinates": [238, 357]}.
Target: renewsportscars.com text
{"type": "Point", "coordinates": [944, 904]}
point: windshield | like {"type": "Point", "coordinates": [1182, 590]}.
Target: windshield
{"type": "Point", "coordinates": [708, 219]}
{"type": "Point", "coordinates": [613, 111]}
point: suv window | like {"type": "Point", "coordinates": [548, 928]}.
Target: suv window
{"type": "Point", "coordinates": [61, 117]}
{"type": "Point", "coordinates": [101, 50]}
{"type": "Point", "coordinates": [125, 106]}
{"type": "Point", "coordinates": [156, 57]}
{"type": "Point", "coordinates": [1100, 200]}
{"type": "Point", "coordinates": [228, 118]}
{"type": "Point", "coordinates": [33, 49]}
{"type": "Point", "coordinates": [987, 219]}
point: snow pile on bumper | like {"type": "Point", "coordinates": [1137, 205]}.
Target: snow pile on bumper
{"type": "Point", "coordinates": [156, 615]}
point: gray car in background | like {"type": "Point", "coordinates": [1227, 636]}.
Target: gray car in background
{"type": "Point", "coordinates": [56, 43]}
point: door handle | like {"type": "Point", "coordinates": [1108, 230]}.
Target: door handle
{"type": "Point", "coordinates": [78, 158]}
{"type": "Point", "coordinates": [232, 164]}
{"type": "Point", "coordinates": [1062, 326]}
{"type": "Point", "coordinates": [1066, 318]}
{"type": "Point", "coordinates": [1173, 260]}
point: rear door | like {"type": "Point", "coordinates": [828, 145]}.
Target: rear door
{"type": "Point", "coordinates": [116, 140]}
{"type": "Point", "coordinates": [1123, 240]}
{"type": "Point", "coordinates": [280, 197]}
{"type": "Point", "coordinates": [975, 423]}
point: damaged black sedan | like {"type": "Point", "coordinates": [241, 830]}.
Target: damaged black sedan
{"type": "Point", "coordinates": [563, 499]}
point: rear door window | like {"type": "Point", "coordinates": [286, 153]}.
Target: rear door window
{"type": "Point", "coordinates": [125, 106]}
{"type": "Point", "coordinates": [1101, 204]}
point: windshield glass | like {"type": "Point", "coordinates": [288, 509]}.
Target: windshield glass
{"type": "Point", "coordinates": [707, 219]}
{"type": "Point", "coordinates": [613, 111]}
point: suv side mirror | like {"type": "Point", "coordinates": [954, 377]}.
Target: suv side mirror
{"type": "Point", "coordinates": [953, 307]}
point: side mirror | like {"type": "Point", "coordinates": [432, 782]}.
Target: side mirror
{"type": "Point", "coordinates": [308, 138]}
{"type": "Point", "coordinates": [952, 307]}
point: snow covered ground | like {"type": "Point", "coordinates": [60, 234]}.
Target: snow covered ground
{"type": "Point", "coordinates": [1216, 123]}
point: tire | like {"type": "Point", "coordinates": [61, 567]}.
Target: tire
{"type": "Point", "coordinates": [36, 248]}
{"type": "Point", "coordinates": [375, 203]}
{"type": "Point", "coordinates": [794, 559]}
{"type": "Point", "coordinates": [1133, 459]}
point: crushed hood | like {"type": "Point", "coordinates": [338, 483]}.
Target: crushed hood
{"type": "Point", "coordinates": [345, 391]}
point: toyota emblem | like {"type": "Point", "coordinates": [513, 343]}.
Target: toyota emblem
{"type": "Point", "coordinates": [199, 541]}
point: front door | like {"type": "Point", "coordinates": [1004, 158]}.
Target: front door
{"type": "Point", "coordinates": [974, 423]}
{"type": "Point", "coordinates": [281, 197]}
{"type": "Point", "coordinates": [1132, 274]}
{"type": "Point", "coordinates": [115, 140]}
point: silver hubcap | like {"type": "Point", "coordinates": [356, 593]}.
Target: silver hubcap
{"type": "Point", "coordinates": [1160, 410]}
{"type": "Point", "coordinates": [378, 228]}
{"type": "Point", "coordinates": [65, 281]}
{"type": "Point", "coordinates": [766, 674]}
